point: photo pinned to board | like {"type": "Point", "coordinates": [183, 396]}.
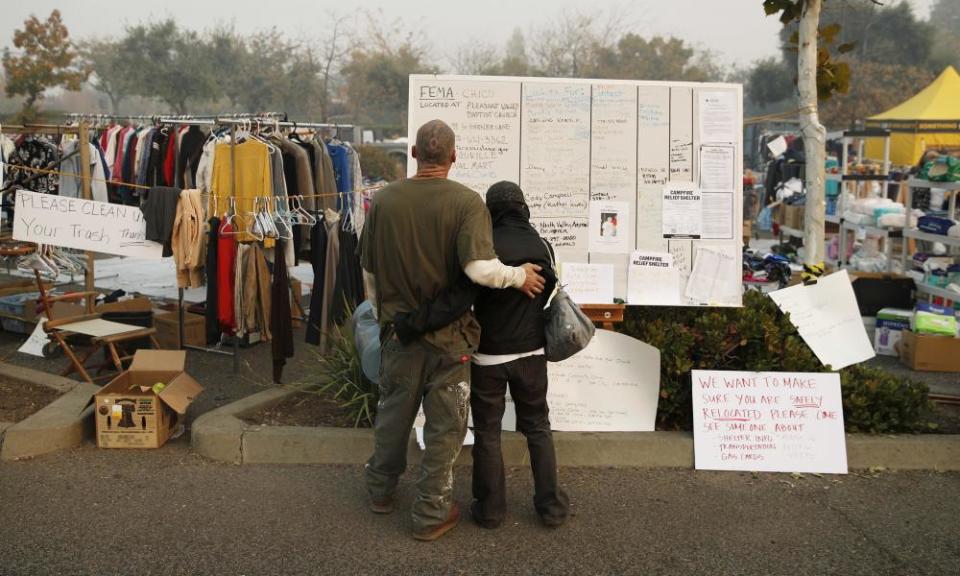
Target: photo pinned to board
{"type": "Point", "coordinates": [609, 227]}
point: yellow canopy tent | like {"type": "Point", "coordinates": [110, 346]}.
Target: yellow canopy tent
{"type": "Point", "coordinates": [931, 119]}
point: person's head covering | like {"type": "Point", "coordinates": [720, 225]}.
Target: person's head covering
{"type": "Point", "coordinates": [506, 198]}
{"type": "Point", "coordinates": [503, 192]}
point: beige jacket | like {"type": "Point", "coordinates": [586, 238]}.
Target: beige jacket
{"type": "Point", "coordinates": [189, 239]}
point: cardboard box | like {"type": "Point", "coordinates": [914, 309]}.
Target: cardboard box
{"type": "Point", "coordinates": [930, 353]}
{"type": "Point", "coordinates": [790, 216]}
{"type": "Point", "coordinates": [135, 304]}
{"type": "Point", "coordinates": [129, 414]}
{"type": "Point", "coordinates": [168, 330]}
{"type": "Point", "coordinates": [891, 322]}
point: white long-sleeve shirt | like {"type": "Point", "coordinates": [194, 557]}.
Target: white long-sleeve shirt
{"type": "Point", "coordinates": [488, 273]}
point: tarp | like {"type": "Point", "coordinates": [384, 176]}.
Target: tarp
{"type": "Point", "coordinates": [930, 119]}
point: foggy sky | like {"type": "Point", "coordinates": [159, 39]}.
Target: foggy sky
{"type": "Point", "coordinates": [736, 31]}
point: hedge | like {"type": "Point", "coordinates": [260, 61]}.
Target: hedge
{"type": "Point", "coordinates": [758, 337]}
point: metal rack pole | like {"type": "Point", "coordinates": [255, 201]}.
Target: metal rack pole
{"type": "Point", "coordinates": [233, 194]}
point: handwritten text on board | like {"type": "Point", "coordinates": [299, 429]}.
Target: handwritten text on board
{"type": "Point", "coordinates": [768, 421]}
{"type": "Point", "coordinates": [82, 224]}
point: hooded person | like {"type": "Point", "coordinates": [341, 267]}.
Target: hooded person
{"type": "Point", "coordinates": [510, 355]}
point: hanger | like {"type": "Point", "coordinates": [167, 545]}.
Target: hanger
{"type": "Point", "coordinates": [263, 220]}
{"type": "Point", "coordinates": [304, 216]}
{"type": "Point", "coordinates": [285, 231]}
{"type": "Point", "coordinates": [250, 220]}
{"type": "Point", "coordinates": [228, 217]}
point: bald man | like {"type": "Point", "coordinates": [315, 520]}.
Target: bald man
{"type": "Point", "coordinates": [421, 235]}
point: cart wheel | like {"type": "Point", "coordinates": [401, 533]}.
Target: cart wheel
{"type": "Point", "coordinates": [52, 350]}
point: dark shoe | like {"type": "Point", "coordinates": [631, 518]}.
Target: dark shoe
{"type": "Point", "coordinates": [382, 505]}
{"type": "Point", "coordinates": [431, 534]}
{"type": "Point", "coordinates": [553, 521]}
{"type": "Point", "coordinates": [475, 514]}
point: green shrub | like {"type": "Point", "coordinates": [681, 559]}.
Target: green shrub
{"type": "Point", "coordinates": [758, 337]}
{"type": "Point", "coordinates": [343, 379]}
{"type": "Point", "coordinates": [876, 401]}
{"type": "Point", "coordinates": [376, 163]}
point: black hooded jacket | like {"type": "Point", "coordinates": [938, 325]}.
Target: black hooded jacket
{"type": "Point", "coordinates": [510, 322]}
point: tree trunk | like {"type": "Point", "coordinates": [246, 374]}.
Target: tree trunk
{"type": "Point", "coordinates": [114, 103]}
{"type": "Point", "coordinates": [814, 138]}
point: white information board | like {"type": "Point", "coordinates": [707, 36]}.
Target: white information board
{"type": "Point", "coordinates": [83, 225]}
{"type": "Point", "coordinates": [595, 159]}
{"type": "Point", "coordinates": [768, 422]}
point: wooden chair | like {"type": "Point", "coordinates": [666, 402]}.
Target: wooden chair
{"type": "Point", "coordinates": [58, 330]}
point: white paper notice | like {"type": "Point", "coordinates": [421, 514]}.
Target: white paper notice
{"type": "Point", "coordinates": [716, 277]}
{"type": "Point", "coordinates": [612, 385]}
{"type": "Point", "coordinates": [718, 117]}
{"type": "Point", "coordinates": [37, 340]}
{"type": "Point", "coordinates": [777, 146]}
{"type": "Point", "coordinates": [717, 169]}
{"type": "Point", "coordinates": [610, 227]}
{"type": "Point", "coordinates": [653, 280]}
{"type": "Point", "coordinates": [82, 224]}
{"type": "Point", "coordinates": [768, 422]}
{"type": "Point", "coordinates": [682, 210]}
{"type": "Point", "coordinates": [828, 318]}
{"type": "Point", "coordinates": [588, 283]}
{"type": "Point", "coordinates": [717, 215]}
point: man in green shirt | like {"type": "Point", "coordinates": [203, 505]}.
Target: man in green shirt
{"type": "Point", "coordinates": [421, 235]}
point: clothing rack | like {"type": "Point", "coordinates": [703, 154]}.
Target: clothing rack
{"type": "Point", "coordinates": [82, 131]}
{"type": "Point", "coordinates": [80, 125]}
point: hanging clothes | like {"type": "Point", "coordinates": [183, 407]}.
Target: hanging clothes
{"type": "Point", "coordinates": [188, 241]}
{"type": "Point", "coordinates": [252, 177]}
{"type": "Point", "coordinates": [252, 291]}
{"type": "Point", "coordinates": [318, 260]}
{"type": "Point", "coordinates": [213, 277]}
{"type": "Point", "coordinates": [34, 152]}
{"type": "Point", "coordinates": [226, 272]}
{"type": "Point", "coordinates": [70, 182]}
{"type": "Point", "coordinates": [159, 213]}
{"type": "Point", "coordinates": [331, 223]}
{"type": "Point", "coordinates": [188, 162]}
{"type": "Point", "coordinates": [349, 292]}
{"type": "Point", "coordinates": [281, 327]}
{"type": "Point", "coordinates": [342, 166]}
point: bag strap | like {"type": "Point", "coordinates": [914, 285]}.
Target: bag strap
{"type": "Point", "coordinates": [553, 264]}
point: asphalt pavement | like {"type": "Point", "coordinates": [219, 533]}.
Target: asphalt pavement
{"type": "Point", "coordinates": [168, 511]}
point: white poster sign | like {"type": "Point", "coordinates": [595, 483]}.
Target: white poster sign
{"type": "Point", "coordinates": [682, 210]}
{"type": "Point", "coordinates": [653, 280]}
{"type": "Point", "coordinates": [828, 318]}
{"type": "Point", "coordinates": [718, 117]}
{"type": "Point", "coordinates": [83, 225]}
{"type": "Point", "coordinates": [610, 227]}
{"type": "Point", "coordinates": [612, 385]}
{"type": "Point", "coordinates": [768, 422]}
{"type": "Point", "coordinates": [588, 283]}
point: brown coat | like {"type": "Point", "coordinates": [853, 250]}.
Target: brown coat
{"type": "Point", "coordinates": [189, 239]}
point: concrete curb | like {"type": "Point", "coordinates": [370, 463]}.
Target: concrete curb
{"type": "Point", "coordinates": [64, 423]}
{"type": "Point", "coordinates": [221, 435]}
